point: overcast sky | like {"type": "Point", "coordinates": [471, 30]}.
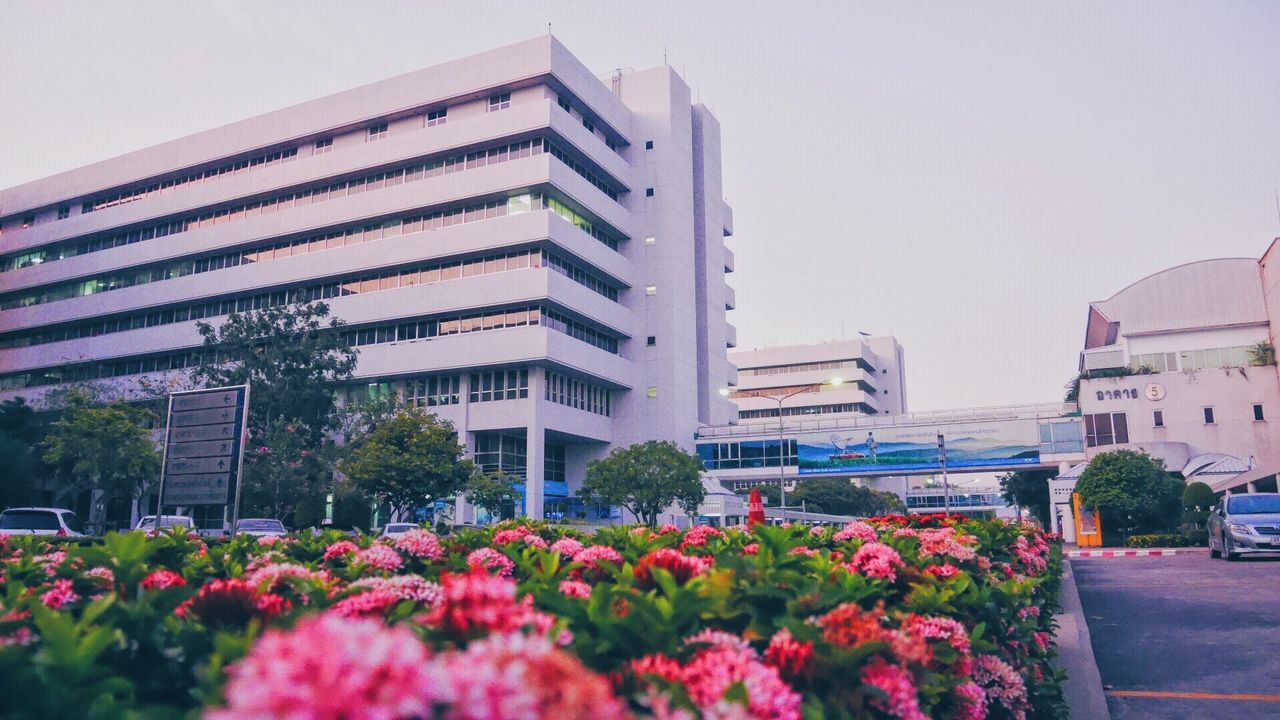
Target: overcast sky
{"type": "Point", "coordinates": [964, 176]}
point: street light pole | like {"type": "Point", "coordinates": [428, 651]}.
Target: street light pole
{"type": "Point", "coordinates": [782, 440]}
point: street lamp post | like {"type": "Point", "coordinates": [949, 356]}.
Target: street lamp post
{"type": "Point", "coordinates": [782, 440]}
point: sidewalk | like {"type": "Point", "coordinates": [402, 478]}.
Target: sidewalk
{"type": "Point", "coordinates": [1083, 688]}
{"type": "Point", "coordinates": [1072, 551]}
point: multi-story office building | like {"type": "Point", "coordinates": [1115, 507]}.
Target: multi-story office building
{"type": "Point", "coordinates": [533, 253]}
{"type": "Point", "coordinates": [797, 382]}
{"type": "Point", "coordinates": [1181, 364]}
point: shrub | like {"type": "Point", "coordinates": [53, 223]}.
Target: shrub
{"type": "Point", "coordinates": [1196, 538]}
{"type": "Point", "coordinates": [1157, 540]}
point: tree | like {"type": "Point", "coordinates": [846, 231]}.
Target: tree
{"type": "Point", "coordinates": [646, 478]}
{"type": "Point", "coordinates": [839, 496]}
{"type": "Point", "coordinates": [292, 361]}
{"type": "Point", "coordinates": [1029, 489]}
{"type": "Point", "coordinates": [20, 435]}
{"type": "Point", "coordinates": [408, 461]}
{"type": "Point", "coordinates": [1132, 491]}
{"type": "Point", "coordinates": [1197, 500]}
{"type": "Point", "coordinates": [106, 449]}
{"type": "Point", "coordinates": [493, 491]}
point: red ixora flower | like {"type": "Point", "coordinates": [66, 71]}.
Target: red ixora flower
{"type": "Point", "coordinates": [682, 567]}
{"type": "Point", "coordinates": [231, 602]}
{"type": "Point", "coordinates": [794, 659]}
{"type": "Point", "coordinates": [162, 579]}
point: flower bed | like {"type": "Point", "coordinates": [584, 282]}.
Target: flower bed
{"type": "Point", "coordinates": [906, 617]}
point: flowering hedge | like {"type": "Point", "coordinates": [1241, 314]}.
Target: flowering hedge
{"type": "Point", "coordinates": [906, 617]}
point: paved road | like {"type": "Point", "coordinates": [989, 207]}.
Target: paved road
{"type": "Point", "coordinates": [1182, 626]}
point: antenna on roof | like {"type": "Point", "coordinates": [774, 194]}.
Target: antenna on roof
{"type": "Point", "coordinates": [1278, 204]}
{"type": "Point", "coordinates": [664, 53]}
{"type": "Point", "coordinates": [548, 28]}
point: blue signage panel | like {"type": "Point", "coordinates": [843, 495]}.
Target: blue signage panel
{"type": "Point", "coordinates": [994, 445]}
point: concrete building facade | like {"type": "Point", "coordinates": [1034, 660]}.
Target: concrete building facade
{"type": "Point", "coordinates": [524, 249]}
{"type": "Point", "coordinates": [1177, 365]}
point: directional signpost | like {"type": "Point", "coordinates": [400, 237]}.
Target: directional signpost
{"type": "Point", "coordinates": [203, 451]}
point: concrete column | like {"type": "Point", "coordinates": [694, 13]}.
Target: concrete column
{"type": "Point", "coordinates": [535, 441]}
{"type": "Point", "coordinates": [1253, 487]}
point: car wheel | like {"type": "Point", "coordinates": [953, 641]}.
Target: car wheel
{"type": "Point", "coordinates": [1226, 550]}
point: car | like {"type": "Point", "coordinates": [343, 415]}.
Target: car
{"type": "Point", "coordinates": [341, 528]}
{"type": "Point", "coordinates": [40, 521]}
{"type": "Point", "coordinates": [148, 522]}
{"type": "Point", "coordinates": [395, 530]}
{"type": "Point", "coordinates": [260, 527]}
{"type": "Point", "coordinates": [1245, 524]}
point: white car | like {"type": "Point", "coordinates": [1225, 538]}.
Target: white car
{"type": "Point", "coordinates": [395, 530]}
{"type": "Point", "coordinates": [148, 522]}
{"type": "Point", "coordinates": [40, 521]}
{"type": "Point", "coordinates": [260, 527]}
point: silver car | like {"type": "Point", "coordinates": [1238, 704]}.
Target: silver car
{"type": "Point", "coordinates": [1245, 524]}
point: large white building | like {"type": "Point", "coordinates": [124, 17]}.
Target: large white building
{"type": "Point", "coordinates": [528, 251]}
{"type": "Point", "coordinates": [1178, 365]}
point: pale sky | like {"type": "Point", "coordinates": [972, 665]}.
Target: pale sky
{"type": "Point", "coordinates": [965, 176]}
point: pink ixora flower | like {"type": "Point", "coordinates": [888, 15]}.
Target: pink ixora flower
{"type": "Point", "coordinates": [856, 530]}
{"type": "Point", "coordinates": [575, 589]}
{"type": "Point", "coordinates": [794, 659]}
{"type": "Point", "coordinates": [405, 587]}
{"type": "Point", "coordinates": [568, 547]}
{"type": "Point", "coordinates": [102, 574]}
{"type": "Point", "coordinates": [1002, 684]}
{"type": "Point", "coordinates": [876, 560]}
{"type": "Point", "coordinates": [592, 557]}
{"type": "Point", "coordinates": [420, 543]}
{"type": "Point", "coordinates": [518, 677]}
{"type": "Point", "coordinates": [489, 560]}
{"type": "Point", "coordinates": [699, 535]}
{"type": "Point", "coordinates": [971, 702]}
{"type": "Point", "coordinates": [478, 602]}
{"type": "Point", "coordinates": [340, 549]}
{"type": "Point", "coordinates": [379, 556]}
{"type": "Point", "coordinates": [712, 671]}
{"type": "Point", "coordinates": [366, 670]}
{"type": "Point", "coordinates": [900, 697]}
{"type": "Point", "coordinates": [60, 595]}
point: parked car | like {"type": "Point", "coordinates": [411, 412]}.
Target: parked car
{"type": "Point", "coordinates": [40, 521]}
{"type": "Point", "coordinates": [1245, 524]}
{"type": "Point", "coordinates": [348, 530]}
{"type": "Point", "coordinates": [260, 527]}
{"type": "Point", "coordinates": [395, 530]}
{"type": "Point", "coordinates": [148, 522]}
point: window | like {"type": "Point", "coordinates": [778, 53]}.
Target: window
{"type": "Point", "coordinates": [1157, 418]}
{"type": "Point", "coordinates": [437, 117]}
{"type": "Point", "coordinates": [578, 394]}
{"type": "Point", "coordinates": [648, 144]}
{"type": "Point", "coordinates": [323, 146]}
{"type": "Point", "coordinates": [648, 192]}
{"type": "Point", "coordinates": [651, 290]}
{"type": "Point", "coordinates": [28, 221]}
{"type": "Point", "coordinates": [651, 240]}
{"type": "Point", "coordinates": [499, 385]}
{"type": "Point", "coordinates": [651, 341]}
{"type": "Point", "coordinates": [1257, 413]}
{"type": "Point", "coordinates": [1155, 362]}
{"type": "Point", "coordinates": [1214, 358]}
{"type": "Point", "coordinates": [652, 392]}
{"type": "Point", "coordinates": [434, 390]}
{"type": "Point", "coordinates": [501, 451]}
{"type": "Point", "coordinates": [64, 213]}
{"type": "Point", "coordinates": [499, 102]}
{"type": "Point", "coordinates": [1208, 416]}
{"type": "Point", "coordinates": [563, 102]}
{"type": "Point", "coordinates": [1106, 429]}
{"type": "Point", "coordinates": [587, 124]}
{"type": "Point", "coordinates": [377, 132]}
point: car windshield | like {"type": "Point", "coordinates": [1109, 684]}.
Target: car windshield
{"type": "Point", "coordinates": [403, 527]}
{"type": "Point", "coordinates": [28, 520]}
{"type": "Point", "coordinates": [1253, 504]}
{"type": "Point", "coordinates": [167, 521]}
{"type": "Point", "coordinates": [274, 525]}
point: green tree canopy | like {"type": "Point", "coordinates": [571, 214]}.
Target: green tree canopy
{"type": "Point", "coordinates": [292, 359]}
{"type": "Point", "coordinates": [646, 478]}
{"type": "Point", "coordinates": [408, 461]}
{"type": "Point", "coordinates": [839, 496]}
{"type": "Point", "coordinates": [105, 448]}
{"type": "Point", "coordinates": [1198, 496]}
{"type": "Point", "coordinates": [1029, 489]}
{"type": "Point", "coordinates": [493, 491]}
{"type": "Point", "coordinates": [20, 436]}
{"type": "Point", "coordinates": [1132, 490]}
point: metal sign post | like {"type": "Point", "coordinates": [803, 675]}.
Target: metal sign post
{"type": "Point", "coordinates": [946, 485]}
{"type": "Point", "coordinates": [203, 457]}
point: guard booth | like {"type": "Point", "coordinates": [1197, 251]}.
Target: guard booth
{"type": "Point", "coordinates": [1088, 524]}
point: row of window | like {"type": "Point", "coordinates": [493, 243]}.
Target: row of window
{"type": "Point", "coordinates": [375, 181]}
{"type": "Point", "coordinates": [505, 452]}
{"type": "Point", "coordinates": [498, 385]}
{"type": "Point", "coordinates": [582, 170]}
{"type": "Point", "coordinates": [784, 390]}
{"type": "Point", "coordinates": [578, 394]}
{"type": "Point", "coordinates": [958, 500]}
{"type": "Point", "coordinates": [434, 390]}
{"type": "Point", "coordinates": [425, 274]}
{"type": "Point", "coordinates": [1113, 428]}
{"type": "Point", "coordinates": [802, 367]}
{"type": "Point", "coordinates": [745, 454]}
{"type": "Point", "coordinates": [354, 235]}
{"type": "Point", "coordinates": [1211, 358]}
{"type": "Point", "coordinates": [803, 410]}
{"type": "Point", "coordinates": [436, 327]}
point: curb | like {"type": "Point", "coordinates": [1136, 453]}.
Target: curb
{"type": "Point", "coordinates": [1152, 552]}
{"type": "Point", "coordinates": [1083, 687]}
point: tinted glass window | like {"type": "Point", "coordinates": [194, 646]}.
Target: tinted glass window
{"type": "Point", "coordinates": [261, 525]}
{"type": "Point", "coordinates": [28, 520]}
{"type": "Point", "coordinates": [73, 522]}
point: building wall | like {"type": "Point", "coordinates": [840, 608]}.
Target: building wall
{"type": "Point", "coordinates": [872, 376]}
{"type": "Point", "coordinates": [601, 173]}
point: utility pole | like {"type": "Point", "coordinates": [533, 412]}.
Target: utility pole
{"type": "Point", "coordinates": [946, 484]}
